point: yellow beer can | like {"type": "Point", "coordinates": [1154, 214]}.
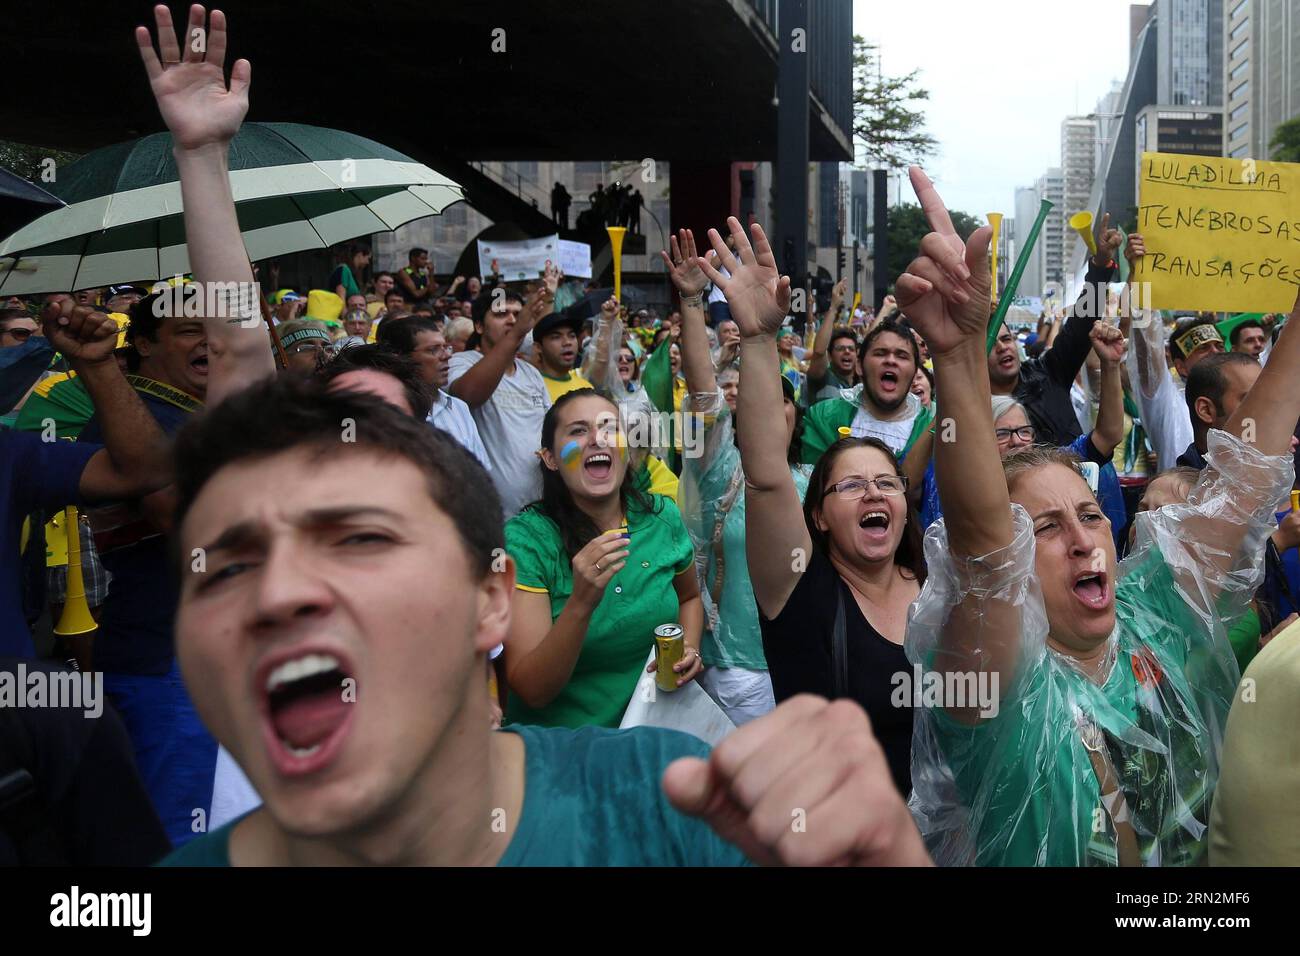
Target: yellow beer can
{"type": "Point", "coordinates": [670, 645]}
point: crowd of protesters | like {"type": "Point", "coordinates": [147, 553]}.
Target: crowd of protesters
{"type": "Point", "coordinates": [366, 567]}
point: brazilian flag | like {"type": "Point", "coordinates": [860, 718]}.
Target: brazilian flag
{"type": "Point", "coordinates": [62, 399]}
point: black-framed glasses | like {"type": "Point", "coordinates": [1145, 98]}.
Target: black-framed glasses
{"type": "Point", "coordinates": [19, 334]}
{"type": "Point", "coordinates": [854, 489]}
{"type": "Point", "coordinates": [1025, 433]}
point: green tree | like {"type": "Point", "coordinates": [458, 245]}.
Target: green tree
{"type": "Point", "coordinates": [1285, 143]}
{"type": "Point", "coordinates": [884, 113]}
{"type": "Point", "coordinates": [907, 226]}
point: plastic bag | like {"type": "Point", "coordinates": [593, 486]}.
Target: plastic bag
{"type": "Point", "coordinates": [688, 709]}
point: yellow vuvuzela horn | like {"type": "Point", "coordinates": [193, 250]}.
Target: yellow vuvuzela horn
{"type": "Point", "coordinates": [616, 234]}
{"type": "Point", "coordinates": [995, 220]}
{"type": "Point", "coordinates": [1081, 222]}
{"type": "Point", "coordinates": [76, 617]}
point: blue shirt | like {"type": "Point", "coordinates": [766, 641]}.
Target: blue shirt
{"type": "Point", "coordinates": [135, 626]}
{"type": "Point", "coordinates": [35, 475]}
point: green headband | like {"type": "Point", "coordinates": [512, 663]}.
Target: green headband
{"type": "Point", "coordinates": [301, 334]}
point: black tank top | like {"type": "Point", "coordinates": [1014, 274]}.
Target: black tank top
{"type": "Point", "coordinates": [797, 645]}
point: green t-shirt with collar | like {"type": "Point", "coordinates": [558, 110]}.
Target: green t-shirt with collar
{"type": "Point", "coordinates": [620, 634]}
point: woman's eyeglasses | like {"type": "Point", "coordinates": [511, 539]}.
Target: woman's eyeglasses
{"type": "Point", "coordinates": [311, 347]}
{"type": "Point", "coordinates": [854, 489]}
{"type": "Point", "coordinates": [19, 335]}
{"type": "Point", "coordinates": [1025, 433]}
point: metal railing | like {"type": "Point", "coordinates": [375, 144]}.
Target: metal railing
{"type": "Point", "coordinates": [525, 189]}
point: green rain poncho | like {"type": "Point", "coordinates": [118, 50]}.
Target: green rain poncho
{"type": "Point", "coordinates": [1075, 772]}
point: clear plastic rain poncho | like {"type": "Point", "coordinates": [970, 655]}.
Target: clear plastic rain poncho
{"type": "Point", "coordinates": [712, 503]}
{"type": "Point", "coordinates": [600, 368]}
{"type": "Point", "coordinates": [1164, 410]}
{"type": "Point", "coordinates": [1073, 772]}
{"type": "Point", "coordinates": [712, 491]}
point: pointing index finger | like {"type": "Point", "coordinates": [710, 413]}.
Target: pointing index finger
{"type": "Point", "coordinates": [936, 213]}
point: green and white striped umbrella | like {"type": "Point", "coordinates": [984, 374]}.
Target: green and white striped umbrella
{"type": "Point", "coordinates": [296, 187]}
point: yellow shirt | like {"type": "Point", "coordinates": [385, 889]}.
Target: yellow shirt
{"type": "Point", "coordinates": [1256, 816]}
{"type": "Point", "coordinates": [558, 386]}
{"type": "Point", "coordinates": [662, 480]}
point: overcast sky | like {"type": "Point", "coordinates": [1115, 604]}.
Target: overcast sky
{"type": "Point", "coordinates": [1002, 74]}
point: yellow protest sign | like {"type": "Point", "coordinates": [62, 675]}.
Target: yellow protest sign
{"type": "Point", "coordinates": [1222, 235]}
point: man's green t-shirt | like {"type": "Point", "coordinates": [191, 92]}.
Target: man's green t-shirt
{"type": "Point", "coordinates": [592, 797]}
{"type": "Point", "coordinates": [620, 634]}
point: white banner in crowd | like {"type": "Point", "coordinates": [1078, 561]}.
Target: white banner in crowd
{"type": "Point", "coordinates": [575, 259]}
{"type": "Point", "coordinates": [521, 259]}
{"type": "Point", "coordinates": [516, 260]}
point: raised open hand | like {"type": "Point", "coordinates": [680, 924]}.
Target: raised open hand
{"type": "Point", "coordinates": [945, 292]}
{"type": "Point", "coordinates": [683, 264]}
{"type": "Point", "coordinates": [759, 296]}
{"type": "Point", "coordinates": [190, 86]}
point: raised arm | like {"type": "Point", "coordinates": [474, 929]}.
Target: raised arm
{"type": "Point", "coordinates": [819, 361]}
{"type": "Point", "coordinates": [1266, 417]}
{"type": "Point", "coordinates": [1215, 543]}
{"type": "Point", "coordinates": [476, 386]}
{"type": "Point", "coordinates": [203, 116]}
{"type": "Point", "coordinates": [136, 458]}
{"type": "Point", "coordinates": [598, 367]}
{"type": "Point", "coordinates": [945, 292]}
{"type": "Point", "coordinates": [1109, 344]}
{"type": "Point", "coordinates": [1149, 343]}
{"type": "Point", "coordinates": [968, 621]}
{"type": "Point", "coordinates": [1069, 349]}
{"type": "Point", "coordinates": [759, 297]}
{"type": "Point", "coordinates": [690, 281]}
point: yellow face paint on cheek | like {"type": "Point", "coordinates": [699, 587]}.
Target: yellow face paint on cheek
{"type": "Point", "coordinates": [569, 455]}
